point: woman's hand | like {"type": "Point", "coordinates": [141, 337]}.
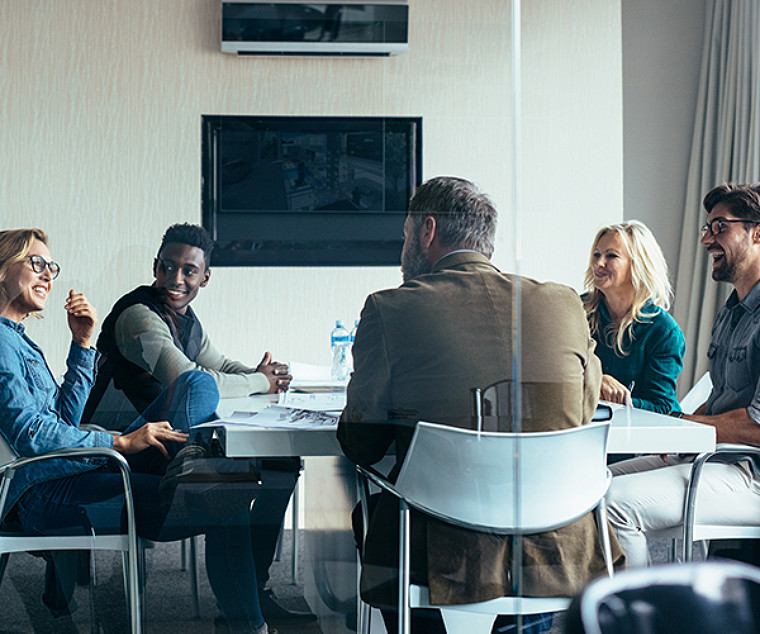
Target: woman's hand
{"type": "Point", "coordinates": [614, 391]}
{"type": "Point", "coordinates": [82, 318]}
{"type": "Point", "coordinates": [149, 435]}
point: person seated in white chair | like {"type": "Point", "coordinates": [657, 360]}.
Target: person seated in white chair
{"type": "Point", "coordinates": [37, 417]}
{"type": "Point", "coordinates": [419, 349]}
{"type": "Point", "coordinates": [647, 494]}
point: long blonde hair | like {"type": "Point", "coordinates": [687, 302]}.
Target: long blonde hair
{"type": "Point", "coordinates": [649, 275]}
{"type": "Point", "coordinates": [15, 245]}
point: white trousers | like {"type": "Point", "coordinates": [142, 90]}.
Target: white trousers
{"type": "Point", "coordinates": [647, 494]}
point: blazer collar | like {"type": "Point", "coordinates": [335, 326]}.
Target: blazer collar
{"type": "Point", "coordinates": [457, 258]}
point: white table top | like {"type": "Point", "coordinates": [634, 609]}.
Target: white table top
{"type": "Point", "coordinates": [632, 431]}
{"type": "Point", "coordinates": [639, 431]}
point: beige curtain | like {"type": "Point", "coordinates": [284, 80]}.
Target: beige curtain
{"type": "Point", "coordinates": [725, 148]}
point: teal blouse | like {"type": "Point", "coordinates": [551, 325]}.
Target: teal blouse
{"type": "Point", "coordinates": [653, 362]}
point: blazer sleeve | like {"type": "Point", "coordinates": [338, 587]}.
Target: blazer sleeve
{"type": "Point", "coordinates": [365, 431]}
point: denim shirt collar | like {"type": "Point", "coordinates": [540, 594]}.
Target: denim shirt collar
{"type": "Point", "coordinates": [19, 328]}
{"type": "Point", "coordinates": [750, 303]}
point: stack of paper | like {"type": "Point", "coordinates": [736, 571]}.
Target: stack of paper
{"type": "Point", "coordinates": [277, 417]}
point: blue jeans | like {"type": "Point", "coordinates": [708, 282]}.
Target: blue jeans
{"type": "Point", "coordinates": [94, 499]}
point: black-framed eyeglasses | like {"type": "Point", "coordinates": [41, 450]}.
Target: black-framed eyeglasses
{"type": "Point", "coordinates": [39, 263]}
{"type": "Point", "coordinates": [716, 225]}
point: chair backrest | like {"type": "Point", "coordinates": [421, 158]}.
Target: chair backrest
{"type": "Point", "coordinates": [697, 394]}
{"type": "Point", "coordinates": [6, 453]}
{"type": "Point", "coordinates": [699, 598]}
{"type": "Point", "coordinates": [505, 482]}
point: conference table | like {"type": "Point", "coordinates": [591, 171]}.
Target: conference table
{"type": "Point", "coordinates": [329, 488]}
{"type": "Point", "coordinates": [631, 431]}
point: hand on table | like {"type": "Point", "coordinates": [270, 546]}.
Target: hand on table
{"type": "Point", "coordinates": [82, 318]}
{"type": "Point", "coordinates": [614, 391]}
{"type": "Point", "coordinates": [149, 435]}
{"type": "Point", "coordinates": [277, 374]}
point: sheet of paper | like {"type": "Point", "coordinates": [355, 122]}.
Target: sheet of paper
{"type": "Point", "coordinates": [309, 372]}
{"type": "Point", "coordinates": [277, 417]}
{"type": "Point", "coordinates": [314, 378]}
{"type": "Point", "coordinates": [319, 401]}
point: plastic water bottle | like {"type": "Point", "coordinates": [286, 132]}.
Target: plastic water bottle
{"type": "Point", "coordinates": [340, 344]}
{"type": "Point", "coordinates": [351, 353]}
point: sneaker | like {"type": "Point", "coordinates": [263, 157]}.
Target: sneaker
{"type": "Point", "coordinates": [222, 627]}
{"type": "Point", "coordinates": [201, 476]}
{"type": "Point", "coordinates": [273, 612]}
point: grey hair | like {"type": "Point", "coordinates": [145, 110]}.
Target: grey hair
{"type": "Point", "coordinates": [466, 217]}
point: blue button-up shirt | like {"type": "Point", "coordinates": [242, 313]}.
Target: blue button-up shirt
{"type": "Point", "coordinates": [734, 356]}
{"type": "Point", "coordinates": [38, 416]}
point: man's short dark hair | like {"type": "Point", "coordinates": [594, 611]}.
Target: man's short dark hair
{"type": "Point", "coordinates": [466, 217]}
{"type": "Point", "coordinates": [742, 200]}
{"type": "Point", "coordinates": [192, 235]}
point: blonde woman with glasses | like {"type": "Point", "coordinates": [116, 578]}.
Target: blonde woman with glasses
{"type": "Point", "coordinates": [627, 296]}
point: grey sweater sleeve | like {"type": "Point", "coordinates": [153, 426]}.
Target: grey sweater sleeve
{"type": "Point", "coordinates": [144, 339]}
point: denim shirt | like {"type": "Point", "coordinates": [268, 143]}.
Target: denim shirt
{"type": "Point", "coordinates": [36, 416]}
{"type": "Point", "coordinates": [734, 356]}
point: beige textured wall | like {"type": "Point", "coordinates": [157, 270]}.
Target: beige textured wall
{"type": "Point", "coordinates": [100, 107]}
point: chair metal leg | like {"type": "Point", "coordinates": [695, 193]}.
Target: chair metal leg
{"type": "Point", "coordinates": [3, 565]}
{"type": "Point", "coordinates": [183, 555]}
{"type": "Point", "coordinates": [604, 531]}
{"type": "Point", "coordinates": [404, 611]}
{"type": "Point", "coordinates": [94, 623]}
{"type": "Point", "coordinates": [673, 556]}
{"type": "Point", "coordinates": [194, 576]}
{"type": "Point", "coordinates": [295, 525]}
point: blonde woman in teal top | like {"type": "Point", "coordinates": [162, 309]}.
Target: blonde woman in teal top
{"type": "Point", "coordinates": [628, 293]}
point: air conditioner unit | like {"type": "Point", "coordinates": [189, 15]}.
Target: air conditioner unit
{"type": "Point", "coordinates": [366, 29]}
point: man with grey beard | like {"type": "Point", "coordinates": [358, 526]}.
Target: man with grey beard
{"type": "Point", "coordinates": [419, 351]}
{"type": "Point", "coordinates": [647, 494]}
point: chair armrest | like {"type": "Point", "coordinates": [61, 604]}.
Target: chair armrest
{"type": "Point", "coordinates": [94, 427]}
{"type": "Point", "coordinates": [8, 470]}
{"type": "Point", "coordinates": [728, 453]}
{"type": "Point", "coordinates": [375, 477]}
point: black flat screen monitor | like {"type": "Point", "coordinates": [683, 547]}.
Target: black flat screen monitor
{"type": "Point", "coordinates": [308, 191]}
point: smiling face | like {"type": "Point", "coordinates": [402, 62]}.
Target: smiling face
{"type": "Point", "coordinates": [730, 249]}
{"type": "Point", "coordinates": [180, 271]}
{"type": "Point", "coordinates": [22, 290]}
{"type": "Point", "coordinates": [611, 265]}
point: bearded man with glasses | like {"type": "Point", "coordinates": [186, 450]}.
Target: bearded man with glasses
{"type": "Point", "coordinates": [648, 493]}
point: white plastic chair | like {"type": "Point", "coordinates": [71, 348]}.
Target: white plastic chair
{"type": "Point", "coordinates": [491, 482]}
{"type": "Point", "coordinates": [697, 395]}
{"type": "Point", "coordinates": [11, 541]}
{"type": "Point", "coordinates": [692, 530]}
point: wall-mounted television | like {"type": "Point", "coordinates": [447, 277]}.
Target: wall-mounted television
{"type": "Point", "coordinates": [308, 191]}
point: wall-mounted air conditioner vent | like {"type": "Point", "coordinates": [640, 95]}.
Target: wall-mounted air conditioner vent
{"type": "Point", "coordinates": [315, 29]}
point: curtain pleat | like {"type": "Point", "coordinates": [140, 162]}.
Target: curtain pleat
{"type": "Point", "coordinates": [725, 148]}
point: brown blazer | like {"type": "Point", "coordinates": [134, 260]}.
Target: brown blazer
{"type": "Point", "coordinates": [419, 350]}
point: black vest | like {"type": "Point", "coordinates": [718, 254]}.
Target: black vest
{"type": "Point", "coordinates": [139, 385]}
